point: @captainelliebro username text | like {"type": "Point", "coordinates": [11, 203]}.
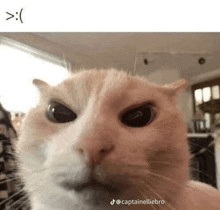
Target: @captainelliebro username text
{"type": "Point", "coordinates": [135, 202]}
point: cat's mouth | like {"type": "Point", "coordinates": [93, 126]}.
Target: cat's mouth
{"type": "Point", "coordinates": [85, 179]}
{"type": "Point", "coordinates": [90, 185]}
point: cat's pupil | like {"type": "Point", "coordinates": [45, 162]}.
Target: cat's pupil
{"type": "Point", "coordinates": [59, 113]}
{"type": "Point", "coordinates": [138, 117]}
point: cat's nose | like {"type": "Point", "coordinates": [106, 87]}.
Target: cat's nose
{"type": "Point", "coordinates": [94, 150]}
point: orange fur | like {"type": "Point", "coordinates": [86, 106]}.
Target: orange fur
{"type": "Point", "coordinates": [149, 162]}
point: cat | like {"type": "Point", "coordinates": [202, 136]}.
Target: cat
{"type": "Point", "coordinates": [102, 139]}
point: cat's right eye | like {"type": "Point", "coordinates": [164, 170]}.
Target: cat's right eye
{"type": "Point", "coordinates": [59, 113]}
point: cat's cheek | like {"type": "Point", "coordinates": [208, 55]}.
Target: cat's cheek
{"type": "Point", "coordinates": [40, 134]}
{"type": "Point", "coordinates": [42, 130]}
{"type": "Point", "coordinates": [45, 128]}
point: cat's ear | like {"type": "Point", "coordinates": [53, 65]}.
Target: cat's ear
{"type": "Point", "coordinates": [177, 87]}
{"type": "Point", "coordinates": [41, 85]}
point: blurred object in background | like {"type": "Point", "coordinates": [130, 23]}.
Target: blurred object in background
{"type": "Point", "coordinates": [10, 185]}
{"type": "Point", "coordinates": [5, 123]}
{"type": "Point", "coordinates": [206, 98]}
{"type": "Point", "coordinates": [17, 93]}
{"type": "Point", "coordinates": [203, 165]}
{"type": "Point", "coordinates": [211, 106]}
{"type": "Point", "coordinates": [16, 119]}
{"type": "Point", "coordinates": [198, 122]}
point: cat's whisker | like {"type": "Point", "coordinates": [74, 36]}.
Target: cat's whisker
{"type": "Point", "coordinates": [45, 195]}
{"type": "Point", "coordinates": [165, 163]}
{"type": "Point", "coordinates": [135, 62]}
{"type": "Point", "coordinates": [8, 180]}
{"type": "Point", "coordinates": [64, 62]}
{"type": "Point", "coordinates": [142, 191]}
{"type": "Point", "coordinates": [11, 174]}
{"type": "Point", "coordinates": [158, 195]}
{"type": "Point", "coordinates": [151, 205]}
{"type": "Point", "coordinates": [205, 148]}
{"type": "Point", "coordinates": [40, 185]}
{"type": "Point", "coordinates": [18, 202]}
{"type": "Point", "coordinates": [34, 189]}
{"type": "Point", "coordinates": [119, 165]}
{"type": "Point", "coordinates": [155, 184]}
{"type": "Point", "coordinates": [176, 183]}
{"type": "Point", "coordinates": [23, 204]}
{"type": "Point", "coordinates": [33, 171]}
{"type": "Point", "coordinates": [201, 172]}
{"type": "Point", "coordinates": [17, 193]}
{"type": "Point", "coordinates": [163, 177]}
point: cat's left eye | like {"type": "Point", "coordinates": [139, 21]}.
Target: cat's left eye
{"type": "Point", "coordinates": [138, 117]}
{"type": "Point", "coordinates": [59, 113]}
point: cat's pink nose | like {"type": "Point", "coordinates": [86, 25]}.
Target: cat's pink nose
{"type": "Point", "coordinates": [97, 145]}
{"type": "Point", "coordinates": [94, 157]}
{"type": "Point", "coordinates": [94, 152]}
{"type": "Point", "coordinates": [97, 142]}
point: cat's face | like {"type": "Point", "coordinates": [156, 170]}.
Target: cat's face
{"type": "Point", "coordinates": [103, 135]}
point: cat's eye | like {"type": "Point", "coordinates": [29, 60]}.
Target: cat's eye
{"type": "Point", "coordinates": [139, 116]}
{"type": "Point", "coordinates": [59, 113]}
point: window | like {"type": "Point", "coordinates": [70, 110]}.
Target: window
{"type": "Point", "coordinates": [198, 96]}
{"type": "Point", "coordinates": [19, 65]}
{"type": "Point", "coordinates": [206, 96]}
{"type": "Point", "coordinates": [215, 92]}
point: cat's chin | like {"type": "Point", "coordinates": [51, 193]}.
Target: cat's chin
{"type": "Point", "coordinates": [99, 196]}
{"type": "Point", "coordinates": [102, 199]}
{"type": "Point", "coordinates": [95, 194]}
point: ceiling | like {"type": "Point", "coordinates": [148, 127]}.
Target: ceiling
{"type": "Point", "coordinates": [128, 50]}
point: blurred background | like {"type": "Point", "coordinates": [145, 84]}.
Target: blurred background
{"type": "Point", "coordinates": [161, 57]}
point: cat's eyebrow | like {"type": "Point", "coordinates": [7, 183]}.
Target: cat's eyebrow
{"type": "Point", "coordinates": [56, 99]}
{"type": "Point", "coordinates": [115, 100]}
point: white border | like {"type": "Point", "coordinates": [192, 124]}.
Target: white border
{"type": "Point", "coordinates": [111, 16]}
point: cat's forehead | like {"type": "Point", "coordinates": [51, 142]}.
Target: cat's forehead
{"type": "Point", "coordinates": [108, 87]}
{"type": "Point", "coordinates": [98, 79]}
{"type": "Point", "coordinates": [104, 81]}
